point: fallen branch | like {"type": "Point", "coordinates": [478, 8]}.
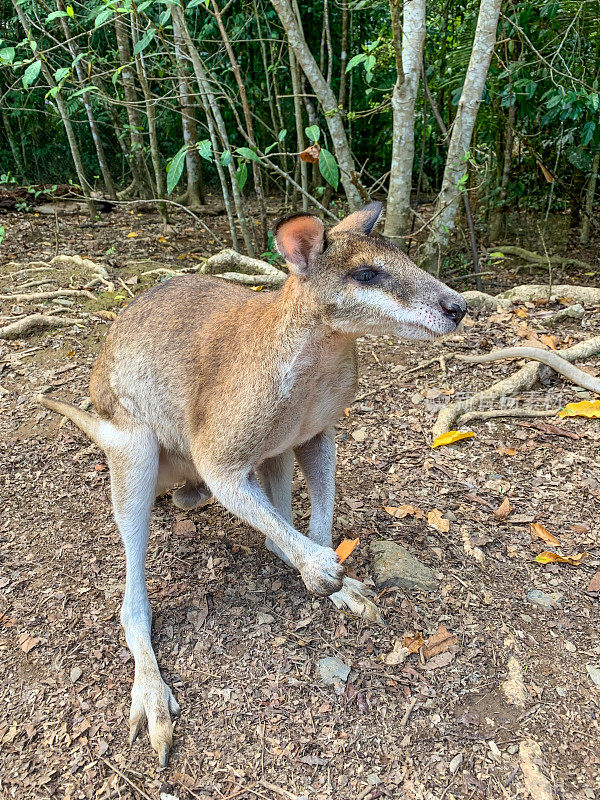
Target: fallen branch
{"type": "Point", "coordinates": [22, 326]}
{"type": "Point", "coordinates": [522, 413]}
{"type": "Point", "coordinates": [32, 298]}
{"type": "Point", "coordinates": [518, 382]}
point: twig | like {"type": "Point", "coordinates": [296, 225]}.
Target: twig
{"type": "Point", "coordinates": [272, 787]}
{"type": "Point", "coordinates": [408, 712]}
{"type": "Point", "coordinates": [548, 357]}
{"type": "Point", "coordinates": [470, 416]}
{"type": "Point", "coordinates": [126, 779]}
{"type": "Point", "coordinates": [127, 289]}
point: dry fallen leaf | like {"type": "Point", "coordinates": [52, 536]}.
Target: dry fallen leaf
{"type": "Point", "coordinates": [28, 642]}
{"type": "Point", "coordinates": [520, 312]}
{"type": "Point", "coordinates": [404, 511]}
{"type": "Point", "coordinates": [440, 642]}
{"type": "Point", "coordinates": [541, 533]}
{"type": "Point", "coordinates": [311, 154]}
{"type": "Point", "coordinates": [109, 315]}
{"type": "Point", "coordinates": [548, 557]}
{"type": "Point", "coordinates": [594, 584]}
{"type": "Point", "coordinates": [586, 408]}
{"type": "Point", "coordinates": [507, 451]}
{"type": "Point", "coordinates": [549, 340]}
{"type": "Point", "coordinates": [435, 519]}
{"type": "Point", "coordinates": [451, 437]}
{"type": "Point", "coordinates": [503, 510]}
{"type": "Point", "coordinates": [413, 643]}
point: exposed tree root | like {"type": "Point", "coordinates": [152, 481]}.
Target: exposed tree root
{"type": "Point", "coordinates": [23, 326]}
{"type": "Point", "coordinates": [33, 298]}
{"type": "Point", "coordinates": [542, 260]}
{"type": "Point", "coordinates": [518, 382]}
{"type": "Point", "coordinates": [548, 357]}
{"type": "Point", "coordinates": [271, 281]}
{"type": "Point", "coordinates": [523, 413]}
{"type": "Point", "coordinates": [233, 266]}
{"type": "Point", "coordinates": [586, 295]}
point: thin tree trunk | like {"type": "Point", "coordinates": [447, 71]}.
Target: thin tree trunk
{"type": "Point", "coordinates": [589, 201]}
{"type": "Point", "coordinates": [64, 115]}
{"type": "Point", "coordinates": [408, 42]}
{"type": "Point", "coordinates": [327, 99]}
{"type": "Point", "coordinates": [19, 168]}
{"type": "Point", "coordinates": [256, 174]}
{"type": "Point", "coordinates": [297, 89]}
{"type": "Point", "coordinates": [195, 184]}
{"type": "Point", "coordinates": [444, 219]}
{"type": "Point", "coordinates": [159, 175]}
{"type": "Point", "coordinates": [343, 55]}
{"type": "Point", "coordinates": [81, 77]}
{"type": "Point", "coordinates": [139, 167]}
{"type": "Point", "coordinates": [498, 215]}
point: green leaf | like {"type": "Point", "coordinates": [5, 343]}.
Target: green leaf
{"type": "Point", "coordinates": [70, 11]}
{"type": "Point", "coordinates": [281, 135]}
{"type": "Point", "coordinates": [175, 169]}
{"type": "Point", "coordinates": [241, 175]}
{"type": "Point", "coordinates": [195, 3]}
{"type": "Point", "coordinates": [225, 158]}
{"type": "Point", "coordinates": [144, 41]}
{"type": "Point", "coordinates": [164, 18]}
{"type": "Point", "coordinates": [56, 15]}
{"type": "Point", "coordinates": [245, 152]}
{"type": "Point", "coordinates": [356, 60]}
{"type": "Point", "coordinates": [7, 55]}
{"type": "Point", "coordinates": [328, 168]}
{"type": "Point", "coordinates": [2, 233]}
{"type": "Point", "coordinates": [61, 73]}
{"type": "Point", "coordinates": [313, 133]}
{"type": "Point", "coordinates": [105, 14]}
{"type": "Point", "coordinates": [205, 149]}
{"type": "Point", "coordinates": [31, 73]}
{"type": "Point", "coordinates": [587, 133]}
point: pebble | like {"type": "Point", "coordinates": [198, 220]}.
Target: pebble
{"type": "Point", "coordinates": [594, 673]}
{"type": "Point", "coordinates": [455, 763]}
{"type": "Point", "coordinates": [394, 565]}
{"type": "Point", "coordinates": [76, 673]}
{"type": "Point", "coordinates": [547, 600]}
{"type": "Point", "coordinates": [333, 671]}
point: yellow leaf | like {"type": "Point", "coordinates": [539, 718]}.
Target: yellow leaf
{"type": "Point", "coordinates": [541, 533]}
{"type": "Point", "coordinates": [451, 437]}
{"type": "Point", "coordinates": [133, 234]}
{"type": "Point", "coordinates": [586, 408]}
{"type": "Point", "coordinates": [520, 312]}
{"type": "Point", "coordinates": [435, 519]}
{"type": "Point", "coordinates": [161, 239]}
{"type": "Point", "coordinates": [547, 557]}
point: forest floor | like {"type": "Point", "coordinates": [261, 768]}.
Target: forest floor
{"type": "Point", "coordinates": [236, 635]}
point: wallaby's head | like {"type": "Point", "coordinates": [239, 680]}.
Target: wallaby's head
{"type": "Point", "coordinates": [363, 283]}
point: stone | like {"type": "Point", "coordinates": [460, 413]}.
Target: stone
{"type": "Point", "coordinates": [547, 600]}
{"type": "Point", "coordinates": [394, 565]}
{"type": "Point", "coordinates": [594, 673]}
{"type": "Point", "coordinates": [76, 673]}
{"type": "Point", "coordinates": [333, 671]}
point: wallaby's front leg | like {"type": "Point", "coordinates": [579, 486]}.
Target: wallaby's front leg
{"type": "Point", "coordinates": [242, 494]}
{"type": "Point", "coordinates": [133, 460]}
{"type": "Point", "coordinates": [275, 475]}
{"type": "Point", "coordinates": [317, 462]}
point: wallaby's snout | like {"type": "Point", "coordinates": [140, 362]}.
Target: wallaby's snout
{"type": "Point", "coordinates": [365, 283]}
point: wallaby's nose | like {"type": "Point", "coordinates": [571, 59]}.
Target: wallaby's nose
{"type": "Point", "coordinates": [453, 309]}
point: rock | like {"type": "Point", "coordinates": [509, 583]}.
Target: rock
{"type": "Point", "coordinates": [394, 565]}
{"type": "Point", "coordinates": [76, 673]}
{"type": "Point", "coordinates": [265, 619]}
{"type": "Point", "coordinates": [359, 435]}
{"type": "Point", "coordinates": [594, 673]}
{"type": "Point", "coordinates": [576, 311]}
{"type": "Point", "coordinates": [547, 600]}
{"type": "Point", "coordinates": [333, 671]}
{"type": "Point", "coordinates": [455, 763]}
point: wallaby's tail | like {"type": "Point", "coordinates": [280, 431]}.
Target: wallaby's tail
{"type": "Point", "coordinates": [87, 422]}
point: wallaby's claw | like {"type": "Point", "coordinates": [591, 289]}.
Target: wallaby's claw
{"type": "Point", "coordinates": [323, 574]}
{"type": "Point", "coordinates": [354, 596]}
{"type": "Point", "coordinates": [152, 701]}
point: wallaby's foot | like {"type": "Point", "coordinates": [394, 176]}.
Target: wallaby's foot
{"type": "Point", "coordinates": [354, 596]}
{"type": "Point", "coordinates": [152, 701]}
{"type": "Point", "coordinates": [277, 551]}
{"type": "Point", "coordinates": [191, 495]}
{"type": "Point", "coordinates": [322, 572]}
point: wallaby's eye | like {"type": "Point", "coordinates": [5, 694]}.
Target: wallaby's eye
{"type": "Point", "coordinates": [365, 275]}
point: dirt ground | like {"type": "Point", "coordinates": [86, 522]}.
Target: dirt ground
{"type": "Point", "coordinates": [236, 636]}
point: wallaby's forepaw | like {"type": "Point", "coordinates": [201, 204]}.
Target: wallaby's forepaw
{"type": "Point", "coordinates": [322, 573]}
{"type": "Point", "coordinates": [355, 596]}
{"type": "Point", "coordinates": [152, 701]}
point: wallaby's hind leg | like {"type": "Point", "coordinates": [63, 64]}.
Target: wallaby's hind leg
{"type": "Point", "coordinates": [132, 454]}
{"type": "Point", "coordinates": [275, 475]}
{"type": "Point", "coordinates": [192, 495]}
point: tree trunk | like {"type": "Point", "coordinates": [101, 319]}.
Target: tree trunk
{"type": "Point", "coordinates": [325, 97]}
{"type": "Point", "coordinates": [19, 168]}
{"type": "Point", "coordinates": [139, 167]}
{"type": "Point", "coordinates": [297, 89]}
{"type": "Point", "coordinates": [81, 77]}
{"type": "Point", "coordinates": [64, 115]}
{"type": "Point", "coordinates": [408, 42]}
{"type": "Point", "coordinates": [443, 221]}
{"type": "Point", "coordinates": [589, 201]}
{"type": "Point", "coordinates": [343, 55]}
{"type": "Point", "coordinates": [499, 212]}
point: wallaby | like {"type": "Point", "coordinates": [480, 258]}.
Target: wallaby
{"type": "Point", "coordinates": [210, 387]}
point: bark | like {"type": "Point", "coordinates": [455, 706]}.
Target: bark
{"type": "Point", "coordinates": [326, 98]}
{"type": "Point", "coordinates": [589, 201]}
{"type": "Point", "coordinates": [296, 89]}
{"type": "Point", "coordinates": [258, 187]}
{"type": "Point", "coordinates": [448, 200]}
{"type": "Point", "coordinates": [498, 216]}
{"type": "Point", "coordinates": [64, 115]}
{"type": "Point", "coordinates": [343, 56]}
{"type": "Point", "coordinates": [408, 41]}
{"type": "Point", "coordinates": [159, 175]}
{"type": "Point", "coordinates": [195, 183]}
{"type": "Point", "coordinates": [136, 154]}
{"type": "Point", "coordinates": [85, 97]}
{"type": "Point", "coordinates": [19, 168]}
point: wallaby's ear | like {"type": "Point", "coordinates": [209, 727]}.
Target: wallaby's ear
{"type": "Point", "coordinates": [361, 221]}
{"type": "Point", "coordinates": [300, 239]}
